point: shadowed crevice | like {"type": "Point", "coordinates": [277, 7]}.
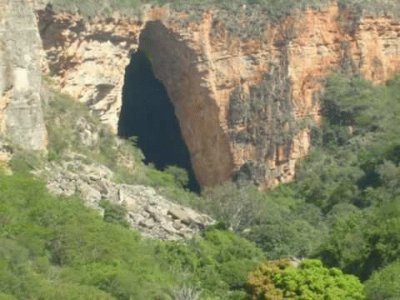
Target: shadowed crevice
{"type": "Point", "coordinates": [148, 113]}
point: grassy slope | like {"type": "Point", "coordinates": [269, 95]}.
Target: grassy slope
{"type": "Point", "coordinates": [56, 248]}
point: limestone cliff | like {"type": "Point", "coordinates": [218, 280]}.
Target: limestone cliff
{"type": "Point", "coordinates": [243, 95]}
{"type": "Point", "coordinates": [88, 59]}
{"type": "Point", "coordinates": [21, 119]}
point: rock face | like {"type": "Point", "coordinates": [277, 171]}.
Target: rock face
{"type": "Point", "coordinates": [88, 59]}
{"type": "Point", "coordinates": [150, 213]}
{"type": "Point", "coordinates": [21, 118]}
{"type": "Point", "coordinates": [242, 96]}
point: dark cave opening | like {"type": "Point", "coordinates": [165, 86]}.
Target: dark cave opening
{"type": "Point", "coordinates": [148, 114]}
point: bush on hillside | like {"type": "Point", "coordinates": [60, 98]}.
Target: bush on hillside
{"type": "Point", "coordinates": [309, 280]}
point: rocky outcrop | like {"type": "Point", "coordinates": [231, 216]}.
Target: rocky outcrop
{"type": "Point", "coordinates": [21, 118]}
{"type": "Point", "coordinates": [150, 213]}
{"type": "Point", "coordinates": [243, 92]}
{"type": "Point", "coordinates": [88, 59]}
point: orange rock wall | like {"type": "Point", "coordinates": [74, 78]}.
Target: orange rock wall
{"type": "Point", "coordinates": [239, 100]}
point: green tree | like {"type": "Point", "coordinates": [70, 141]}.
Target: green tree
{"type": "Point", "coordinates": [237, 207]}
{"type": "Point", "coordinates": [385, 283]}
{"type": "Point", "coordinates": [306, 281]}
{"type": "Point", "coordinates": [218, 261]}
{"type": "Point", "coordinates": [180, 175]}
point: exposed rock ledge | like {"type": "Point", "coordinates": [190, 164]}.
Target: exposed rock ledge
{"type": "Point", "coordinates": [150, 213]}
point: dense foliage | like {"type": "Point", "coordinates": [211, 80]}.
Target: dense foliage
{"type": "Point", "coordinates": [344, 207]}
{"type": "Point", "coordinates": [219, 262]}
{"type": "Point", "coordinates": [385, 284]}
{"type": "Point", "coordinates": [55, 248]}
{"type": "Point", "coordinates": [343, 210]}
{"type": "Point", "coordinates": [307, 281]}
{"type": "Point", "coordinates": [52, 248]}
{"type": "Point", "coordinates": [353, 174]}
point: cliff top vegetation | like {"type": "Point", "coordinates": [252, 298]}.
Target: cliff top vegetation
{"type": "Point", "coordinates": [271, 9]}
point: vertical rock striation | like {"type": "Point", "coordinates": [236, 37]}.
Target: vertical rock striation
{"type": "Point", "coordinates": [21, 118]}
{"type": "Point", "coordinates": [243, 92]}
{"type": "Point", "coordinates": [190, 82]}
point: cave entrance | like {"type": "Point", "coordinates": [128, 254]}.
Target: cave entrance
{"type": "Point", "coordinates": [148, 114]}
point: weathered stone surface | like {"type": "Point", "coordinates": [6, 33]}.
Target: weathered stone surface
{"type": "Point", "coordinates": [239, 99]}
{"type": "Point", "coordinates": [88, 59]}
{"type": "Point", "coordinates": [21, 118]}
{"type": "Point", "coordinates": [148, 212]}
{"type": "Point", "coordinates": [180, 214]}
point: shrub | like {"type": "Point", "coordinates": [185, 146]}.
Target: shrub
{"type": "Point", "coordinates": [219, 261]}
{"type": "Point", "coordinates": [180, 175]}
{"type": "Point", "coordinates": [237, 207]}
{"type": "Point", "coordinates": [114, 213]}
{"type": "Point", "coordinates": [309, 280]}
{"type": "Point", "coordinates": [25, 161]}
{"type": "Point", "coordinates": [57, 248]}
